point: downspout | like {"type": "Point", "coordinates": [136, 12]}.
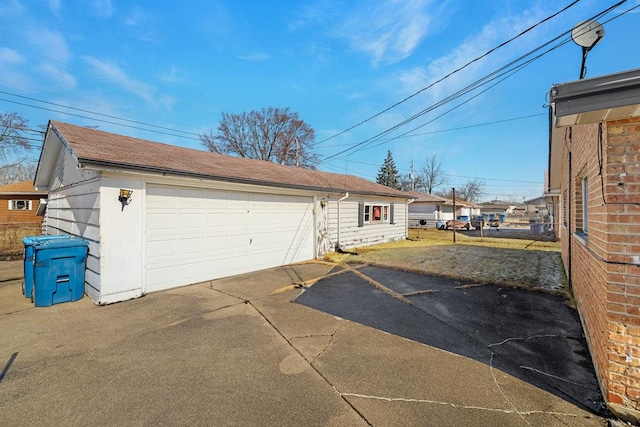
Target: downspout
{"type": "Point", "coordinates": [569, 208]}
{"type": "Point", "coordinates": [406, 219]}
{"type": "Point", "coordinates": [338, 248]}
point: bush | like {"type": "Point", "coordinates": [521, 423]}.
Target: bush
{"type": "Point", "coordinates": [11, 237]}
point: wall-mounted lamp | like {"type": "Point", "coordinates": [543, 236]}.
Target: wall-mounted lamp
{"type": "Point", "coordinates": [324, 202]}
{"type": "Point", "coordinates": [125, 197]}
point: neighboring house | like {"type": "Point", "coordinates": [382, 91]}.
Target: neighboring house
{"type": "Point", "coordinates": [431, 209]}
{"type": "Point", "coordinates": [594, 175]}
{"type": "Point", "coordinates": [536, 206]}
{"type": "Point", "coordinates": [19, 203]}
{"type": "Point", "coordinates": [159, 216]}
{"type": "Point", "coordinates": [497, 207]}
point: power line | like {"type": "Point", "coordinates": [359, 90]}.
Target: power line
{"type": "Point", "coordinates": [98, 120]}
{"type": "Point", "coordinates": [98, 114]}
{"type": "Point", "coordinates": [478, 83]}
{"type": "Point", "coordinates": [453, 72]}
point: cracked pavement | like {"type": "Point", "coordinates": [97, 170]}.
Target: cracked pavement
{"type": "Point", "coordinates": [237, 351]}
{"type": "Point", "coordinates": [532, 336]}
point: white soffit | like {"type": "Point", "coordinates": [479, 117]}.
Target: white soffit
{"type": "Point", "coordinates": [608, 114]}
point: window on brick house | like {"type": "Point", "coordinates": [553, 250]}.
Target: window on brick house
{"type": "Point", "coordinates": [585, 205]}
{"type": "Point", "coordinates": [565, 208]}
{"type": "Point", "coordinates": [19, 205]}
{"type": "Point", "coordinates": [581, 204]}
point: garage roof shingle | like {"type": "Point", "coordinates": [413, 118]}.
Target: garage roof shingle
{"type": "Point", "coordinates": [105, 149]}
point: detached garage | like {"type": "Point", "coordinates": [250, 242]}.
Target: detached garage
{"type": "Point", "coordinates": [159, 216]}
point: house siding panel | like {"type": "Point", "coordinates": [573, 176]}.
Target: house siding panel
{"type": "Point", "coordinates": [351, 235]}
{"type": "Point", "coordinates": [74, 208]}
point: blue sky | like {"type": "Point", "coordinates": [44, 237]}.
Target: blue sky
{"type": "Point", "coordinates": [179, 65]}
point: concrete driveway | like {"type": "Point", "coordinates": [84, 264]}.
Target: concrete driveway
{"type": "Point", "coordinates": [236, 351]}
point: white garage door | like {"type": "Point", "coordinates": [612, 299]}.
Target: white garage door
{"type": "Point", "coordinates": [195, 234]}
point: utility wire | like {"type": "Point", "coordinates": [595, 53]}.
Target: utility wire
{"type": "Point", "coordinates": [99, 120]}
{"type": "Point", "coordinates": [453, 72]}
{"type": "Point", "coordinates": [98, 114]}
{"type": "Point", "coordinates": [454, 129]}
{"type": "Point", "coordinates": [476, 84]}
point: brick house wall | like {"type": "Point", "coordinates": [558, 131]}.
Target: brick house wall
{"type": "Point", "coordinates": [601, 251]}
{"type": "Point", "coordinates": [27, 199]}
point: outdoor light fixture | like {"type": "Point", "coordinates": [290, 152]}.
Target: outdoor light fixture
{"type": "Point", "coordinates": [125, 197]}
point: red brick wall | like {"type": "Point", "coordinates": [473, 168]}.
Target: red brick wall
{"type": "Point", "coordinates": [605, 263]}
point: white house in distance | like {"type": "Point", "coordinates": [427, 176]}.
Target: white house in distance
{"type": "Point", "coordinates": [432, 208]}
{"type": "Point", "coordinates": [159, 216]}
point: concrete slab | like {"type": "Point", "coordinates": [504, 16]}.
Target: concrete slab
{"type": "Point", "coordinates": [188, 356]}
{"type": "Point", "coordinates": [243, 355]}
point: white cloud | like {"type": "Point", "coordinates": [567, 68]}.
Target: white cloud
{"type": "Point", "coordinates": [473, 46]}
{"type": "Point", "coordinates": [136, 18]}
{"type": "Point", "coordinates": [54, 5]}
{"type": "Point", "coordinates": [10, 56]}
{"type": "Point", "coordinates": [59, 76]}
{"type": "Point", "coordinates": [11, 7]}
{"type": "Point", "coordinates": [103, 8]}
{"type": "Point", "coordinates": [171, 77]}
{"type": "Point", "coordinates": [114, 74]}
{"type": "Point", "coordinates": [49, 44]}
{"type": "Point", "coordinates": [255, 57]}
{"type": "Point", "coordinates": [389, 32]}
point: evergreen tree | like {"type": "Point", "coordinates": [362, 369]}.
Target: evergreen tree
{"type": "Point", "coordinates": [388, 174]}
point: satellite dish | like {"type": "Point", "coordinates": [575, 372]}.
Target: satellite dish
{"type": "Point", "coordinates": [586, 34]}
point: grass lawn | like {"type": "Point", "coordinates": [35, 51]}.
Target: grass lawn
{"type": "Point", "coordinates": [527, 264]}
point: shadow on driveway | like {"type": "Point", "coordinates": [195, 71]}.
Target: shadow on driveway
{"type": "Point", "coordinates": [533, 336]}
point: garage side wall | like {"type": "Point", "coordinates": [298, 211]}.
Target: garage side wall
{"type": "Point", "coordinates": [353, 233]}
{"type": "Point", "coordinates": [74, 208]}
{"type": "Point", "coordinates": [121, 236]}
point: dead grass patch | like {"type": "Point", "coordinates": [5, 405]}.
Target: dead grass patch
{"type": "Point", "coordinates": [525, 264]}
{"type": "Point", "coordinates": [11, 236]}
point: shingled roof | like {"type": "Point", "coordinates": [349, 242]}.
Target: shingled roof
{"type": "Point", "coordinates": [103, 149]}
{"type": "Point", "coordinates": [20, 188]}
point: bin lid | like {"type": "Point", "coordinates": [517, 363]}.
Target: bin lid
{"type": "Point", "coordinates": [60, 243]}
{"type": "Point", "coordinates": [30, 240]}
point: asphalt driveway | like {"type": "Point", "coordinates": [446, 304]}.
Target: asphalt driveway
{"type": "Point", "coordinates": [533, 336]}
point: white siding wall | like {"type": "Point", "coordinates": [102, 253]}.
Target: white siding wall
{"type": "Point", "coordinates": [122, 234]}
{"type": "Point", "coordinates": [426, 211]}
{"type": "Point", "coordinates": [352, 236]}
{"type": "Point", "coordinates": [74, 208]}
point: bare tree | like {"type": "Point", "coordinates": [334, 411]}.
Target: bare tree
{"type": "Point", "coordinates": [12, 129]}
{"type": "Point", "coordinates": [432, 175]}
{"type": "Point", "coordinates": [405, 183]}
{"type": "Point", "coordinates": [16, 172]}
{"type": "Point", "coordinates": [272, 134]}
{"type": "Point", "coordinates": [472, 190]}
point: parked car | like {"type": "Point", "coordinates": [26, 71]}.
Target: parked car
{"type": "Point", "coordinates": [477, 222]}
{"type": "Point", "coordinates": [459, 224]}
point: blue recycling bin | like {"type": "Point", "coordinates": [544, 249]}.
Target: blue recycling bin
{"type": "Point", "coordinates": [29, 241]}
{"type": "Point", "coordinates": [58, 269]}
{"type": "Point", "coordinates": [502, 217]}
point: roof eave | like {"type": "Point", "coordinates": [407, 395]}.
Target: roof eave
{"type": "Point", "coordinates": [609, 97]}
{"type": "Point", "coordinates": [102, 165]}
